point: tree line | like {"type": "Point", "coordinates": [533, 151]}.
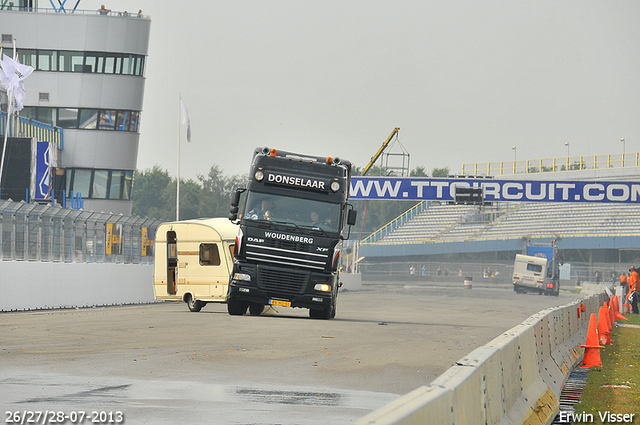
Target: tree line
{"type": "Point", "coordinates": [154, 196]}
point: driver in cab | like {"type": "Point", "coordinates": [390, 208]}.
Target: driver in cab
{"type": "Point", "coordinates": [261, 212]}
{"type": "Point", "coordinates": [316, 221]}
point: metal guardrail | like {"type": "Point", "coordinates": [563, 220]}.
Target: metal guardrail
{"type": "Point", "coordinates": [74, 11]}
{"type": "Point", "coordinates": [567, 163]}
{"type": "Point", "coordinates": [35, 232]}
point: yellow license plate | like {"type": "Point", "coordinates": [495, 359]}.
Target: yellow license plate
{"type": "Point", "coordinates": [280, 303]}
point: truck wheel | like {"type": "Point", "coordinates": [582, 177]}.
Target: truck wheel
{"type": "Point", "coordinates": [193, 304]}
{"type": "Point", "coordinates": [328, 313]}
{"type": "Point", "coordinates": [236, 307]}
{"type": "Point", "coordinates": [256, 309]}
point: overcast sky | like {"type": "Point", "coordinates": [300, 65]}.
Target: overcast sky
{"type": "Point", "coordinates": [464, 80]}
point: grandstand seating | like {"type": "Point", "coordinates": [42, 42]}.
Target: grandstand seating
{"type": "Point", "coordinates": [449, 223]}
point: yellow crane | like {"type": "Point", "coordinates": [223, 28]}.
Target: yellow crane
{"type": "Point", "coordinates": [382, 148]}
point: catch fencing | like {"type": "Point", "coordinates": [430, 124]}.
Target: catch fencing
{"type": "Point", "coordinates": [46, 233]}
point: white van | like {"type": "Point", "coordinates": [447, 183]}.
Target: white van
{"type": "Point", "coordinates": [193, 260]}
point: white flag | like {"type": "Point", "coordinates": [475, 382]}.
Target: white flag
{"type": "Point", "coordinates": [7, 70]}
{"type": "Point", "coordinates": [19, 96]}
{"type": "Point", "coordinates": [20, 71]}
{"type": "Point", "coordinates": [185, 119]}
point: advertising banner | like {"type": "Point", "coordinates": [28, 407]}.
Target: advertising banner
{"type": "Point", "coordinates": [437, 189]}
{"type": "Point", "coordinates": [44, 167]}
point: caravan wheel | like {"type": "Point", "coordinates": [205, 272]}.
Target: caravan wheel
{"type": "Point", "coordinates": [193, 304]}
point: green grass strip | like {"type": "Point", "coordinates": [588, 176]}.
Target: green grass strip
{"type": "Point", "coordinates": [605, 392]}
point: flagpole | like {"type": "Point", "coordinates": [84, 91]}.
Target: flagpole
{"type": "Point", "coordinates": [178, 182]}
{"type": "Point", "coordinates": [6, 127]}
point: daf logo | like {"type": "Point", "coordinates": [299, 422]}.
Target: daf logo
{"type": "Point", "coordinates": [322, 249]}
{"type": "Point", "coordinates": [250, 239]}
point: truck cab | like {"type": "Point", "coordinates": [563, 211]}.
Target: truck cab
{"type": "Point", "coordinates": [292, 219]}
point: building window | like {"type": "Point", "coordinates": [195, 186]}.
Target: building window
{"type": "Point", "coordinates": [47, 60]}
{"type": "Point", "coordinates": [133, 125]}
{"type": "Point", "coordinates": [113, 64]}
{"type": "Point", "coordinates": [88, 119]}
{"type": "Point", "coordinates": [107, 120]}
{"type": "Point", "coordinates": [71, 61]}
{"type": "Point", "coordinates": [81, 182]}
{"type": "Point", "coordinates": [27, 57]}
{"type": "Point", "coordinates": [128, 183]}
{"type": "Point", "coordinates": [90, 62]}
{"type": "Point", "coordinates": [67, 118]}
{"type": "Point", "coordinates": [99, 184]}
{"type": "Point", "coordinates": [115, 188]}
{"type": "Point", "coordinates": [94, 62]}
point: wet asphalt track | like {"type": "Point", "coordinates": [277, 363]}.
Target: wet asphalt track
{"type": "Point", "coordinates": [161, 364]}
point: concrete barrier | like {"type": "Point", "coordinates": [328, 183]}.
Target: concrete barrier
{"type": "Point", "coordinates": [351, 281]}
{"type": "Point", "coordinates": [27, 285]}
{"type": "Point", "coordinates": [514, 379]}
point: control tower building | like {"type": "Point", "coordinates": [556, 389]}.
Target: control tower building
{"type": "Point", "coordinates": [88, 79]}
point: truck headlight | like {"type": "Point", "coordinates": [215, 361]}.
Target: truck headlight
{"type": "Point", "coordinates": [323, 287]}
{"type": "Point", "coordinates": [242, 276]}
{"type": "Point", "coordinates": [259, 175]}
{"type": "Point", "coordinates": [335, 186]}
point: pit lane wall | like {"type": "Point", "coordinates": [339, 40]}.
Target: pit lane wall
{"type": "Point", "coordinates": [29, 285]}
{"type": "Point", "coordinates": [514, 379]}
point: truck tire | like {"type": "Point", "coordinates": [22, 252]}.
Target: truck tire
{"type": "Point", "coordinates": [236, 307]}
{"type": "Point", "coordinates": [256, 309]}
{"type": "Point", "coordinates": [193, 304]}
{"type": "Point", "coordinates": [325, 314]}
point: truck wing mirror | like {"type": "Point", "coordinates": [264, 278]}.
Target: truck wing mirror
{"type": "Point", "coordinates": [235, 201]}
{"type": "Point", "coordinates": [236, 198]}
{"type": "Point", "coordinates": [351, 218]}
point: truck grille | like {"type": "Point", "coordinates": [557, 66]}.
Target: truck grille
{"type": "Point", "coordinates": [287, 254]}
{"type": "Point", "coordinates": [284, 281]}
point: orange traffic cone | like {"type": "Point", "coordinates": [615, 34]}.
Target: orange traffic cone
{"type": "Point", "coordinates": [604, 328]}
{"type": "Point", "coordinates": [612, 321]}
{"type": "Point", "coordinates": [616, 310]}
{"type": "Point", "coordinates": [592, 347]}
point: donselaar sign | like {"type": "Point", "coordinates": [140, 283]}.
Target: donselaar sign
{"type": "Point", "coordinates": [418, 189]}
{"type": "Point", "coordinates": [297, 182]}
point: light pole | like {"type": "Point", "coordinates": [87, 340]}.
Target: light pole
{"type": "Point", "coordinates": [568, 155]}
{"type": "Point", "coordinates": [515, 158]}
{"type": "Point", "coordinates": [623, 149]}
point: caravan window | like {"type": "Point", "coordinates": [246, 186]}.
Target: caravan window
{"type": "Point", "coordinates": [537, 268]}
{"type": "Point", "coordinates": [209, 255]}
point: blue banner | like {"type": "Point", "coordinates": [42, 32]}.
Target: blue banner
{"type": "Point", "coordinates": [43, 171]}
{"type": "Point", "coordinates": [435, 189]}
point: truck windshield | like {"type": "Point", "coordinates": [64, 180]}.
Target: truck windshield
{"type": "Point", "coordinates": [298, 211]}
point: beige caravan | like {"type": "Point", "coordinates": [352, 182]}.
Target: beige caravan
{"type": "Point", "coordinates": [193, 260]}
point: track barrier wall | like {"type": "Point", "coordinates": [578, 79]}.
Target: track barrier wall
{"type": "Point", "coordinates": [514, 379]}
{"type": "Point", "coordinates": [34, 285]}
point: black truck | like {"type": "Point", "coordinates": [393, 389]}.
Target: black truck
{"type": "Point", "coordinates": [292, 219]}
